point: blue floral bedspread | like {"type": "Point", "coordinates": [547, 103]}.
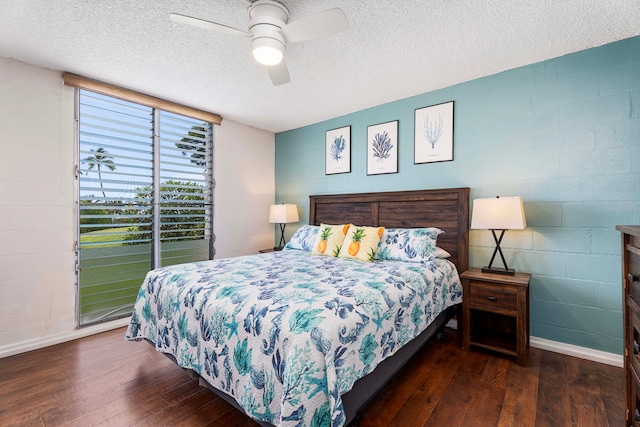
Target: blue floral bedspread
{"type": "Point", "coordinates": [287, 333]}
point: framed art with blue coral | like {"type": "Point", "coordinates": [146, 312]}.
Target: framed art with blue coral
{"type": "Point", "coordinates": [338, 151]}
{"type": "Point", "coordinates": [433, 133]}
{"type": "Point", "coordinates": [382, 148]}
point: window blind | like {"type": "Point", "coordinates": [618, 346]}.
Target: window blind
{"type": "Point", "coordinates": [185, 198]}
{"type": "Point", "coordinates": [145, 199]}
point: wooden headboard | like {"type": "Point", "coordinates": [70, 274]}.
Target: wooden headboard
{"type": "Point", "coordinates": [446, 209]}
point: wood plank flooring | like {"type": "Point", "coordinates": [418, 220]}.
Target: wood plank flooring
{"type": "Point", "coordinates": [105, 380]}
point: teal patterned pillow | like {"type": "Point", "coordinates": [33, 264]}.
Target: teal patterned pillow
{"type": "Point", "coordinates": [408, 244]}
{"type": "Point", "coordinates": [303, 238]}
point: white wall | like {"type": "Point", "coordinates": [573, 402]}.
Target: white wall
{"type": "Point", "coordinates": [37, 293]}
{"type": "Point", "coordinates": [245, 188]}
{"type": "Point", "coordinates": [37, 215]}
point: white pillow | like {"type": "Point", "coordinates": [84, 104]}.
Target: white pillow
{"type": "Point", "coordinates": [440, 253]}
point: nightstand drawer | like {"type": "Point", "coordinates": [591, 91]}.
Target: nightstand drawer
{"type": "Point", "coordinates": [493, 297]}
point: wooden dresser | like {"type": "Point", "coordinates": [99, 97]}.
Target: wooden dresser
{"type": "Point", "coordinates": [631, 304]}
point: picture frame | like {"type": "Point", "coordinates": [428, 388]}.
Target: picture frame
{"type": "Point", "coordinates": [382, 148]}
{"type": "Point", "coordinates": [338, 151]}
{"type": "Point", "coordinates": [433, 133]}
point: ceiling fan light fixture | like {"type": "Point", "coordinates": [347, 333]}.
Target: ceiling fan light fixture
{"type": "Point", "coordinates": [270, 30]}
{"type": "Point", "coordinates": [267, 51]}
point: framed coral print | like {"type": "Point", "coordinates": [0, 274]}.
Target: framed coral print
{"type": "Point", "coordinates": [338, 151]}
{"type": "Point", "coordinates": [433, 133]}
{"type": "Point", "coordinates": [382, 148]}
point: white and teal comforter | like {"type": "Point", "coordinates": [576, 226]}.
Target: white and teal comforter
{"type": "Point", "coordinates": [287, 333]}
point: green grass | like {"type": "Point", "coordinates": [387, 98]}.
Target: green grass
{"type": "Point", "coordinates": [111, 273]}
{"type": "Point", "coordinates": [113, 236]}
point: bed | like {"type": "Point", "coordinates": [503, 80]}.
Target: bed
{"type": "Point", "coordinates": [294, 339]}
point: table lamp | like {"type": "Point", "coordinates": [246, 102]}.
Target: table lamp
{"type": "Point", "coordinates": [498, 214]}
{"type": "Point", "coordinates": [283, 214]}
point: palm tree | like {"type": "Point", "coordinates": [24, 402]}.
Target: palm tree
{"type": "Point", "coordinates": [195, 143]}
{"type": "Point", "coordinates": [100, 157]}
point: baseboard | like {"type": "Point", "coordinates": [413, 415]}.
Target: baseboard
{"type": "Point", "coordinates": [541, 343]}
{"type": "Point", "coordinates": [34, 344]}
{"type": "Point", "coordinates": [576, 351]}
{"type": "Point", "coordinates": [568, 349]}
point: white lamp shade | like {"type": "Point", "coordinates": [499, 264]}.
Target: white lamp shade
{"type": "Point", "coordinates": [498, 213]}
{"type": "Point", "coordinates": [283, 213]}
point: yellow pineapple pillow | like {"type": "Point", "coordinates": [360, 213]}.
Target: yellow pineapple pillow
{"type": "Point", "coordinates": [329, 239]}
{"type": "Point", "coordinates": [361, 243]}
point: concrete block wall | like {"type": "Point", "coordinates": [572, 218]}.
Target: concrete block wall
{"type": "Point", "coordinates": [564, 134]}
{"type": "Point", "coordinates": [37, 292]}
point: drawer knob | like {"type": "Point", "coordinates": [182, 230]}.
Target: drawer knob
{"type": "Point", "coordinates": [631, 278]}
{"type": "Point", "coordinates": [492, 298]}
{"type": "Point", "coordinates": [636, 347]}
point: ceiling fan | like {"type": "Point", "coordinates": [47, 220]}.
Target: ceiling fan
{"type": "Point", "coordinates": [270, 31]}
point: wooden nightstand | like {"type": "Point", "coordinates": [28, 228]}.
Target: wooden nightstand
{"type": "Point", "coordinates": [495, 312]}
{"type": "Point", "coordinates": [265, 251]}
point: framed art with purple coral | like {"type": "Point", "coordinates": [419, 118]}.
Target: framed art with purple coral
{"type": "Point", "coordinates": [433, 133]}
{"type": "Point", "coordinates": [382, 148]}
{"type": "Point", "coordinates": [338, 151]}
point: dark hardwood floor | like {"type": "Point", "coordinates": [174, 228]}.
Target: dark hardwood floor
{"type": "Point", "coordinates": [105, 380]}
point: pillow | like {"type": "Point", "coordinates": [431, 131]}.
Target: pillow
{"type": "Point", "coordinates": [440, 253]}
{"type": "Point", "coordinates": [329, 239]}
{"type": "Point", "coordinates": [303, 238]}
{"type": "Point", "coordinates": [408, 244]}
{"type": "Point", "coordinates": [361, 243]}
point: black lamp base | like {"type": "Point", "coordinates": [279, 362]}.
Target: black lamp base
{"type": "Point", "coordinates": [281, 244]}
{"type": "Point", "coordinates": [497, 270]}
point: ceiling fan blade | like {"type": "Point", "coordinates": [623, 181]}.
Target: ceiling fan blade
{"type": "Point", "coordinates": [279, 73]}
{"type": "Point", "coordinates": [207, 25]}
{"type": "Point", "coordinates": [316, 26]}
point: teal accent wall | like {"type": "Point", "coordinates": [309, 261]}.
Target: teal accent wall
{"type": "Point", "coordinates": [564, 134]}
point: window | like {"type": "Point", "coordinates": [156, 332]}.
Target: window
{"type": "Point", "coordinates": [145, 199]}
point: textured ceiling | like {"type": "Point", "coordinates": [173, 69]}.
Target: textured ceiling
{"type": "Point", "coordinates": [392, 50]}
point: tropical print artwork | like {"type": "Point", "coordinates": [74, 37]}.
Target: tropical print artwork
{"type": "Point", "coordinates": [381, 146]}
{"type": "Point", "coordinates": [286, 333]}
{"type": "Point", "coordinates": [338, 146]}
{"type": "Point", "coordinates": [433, 130]}
{"type": "Point", "coordinates": [338, 150]}
{"type": "Point", "coordinates": [433, 133]}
